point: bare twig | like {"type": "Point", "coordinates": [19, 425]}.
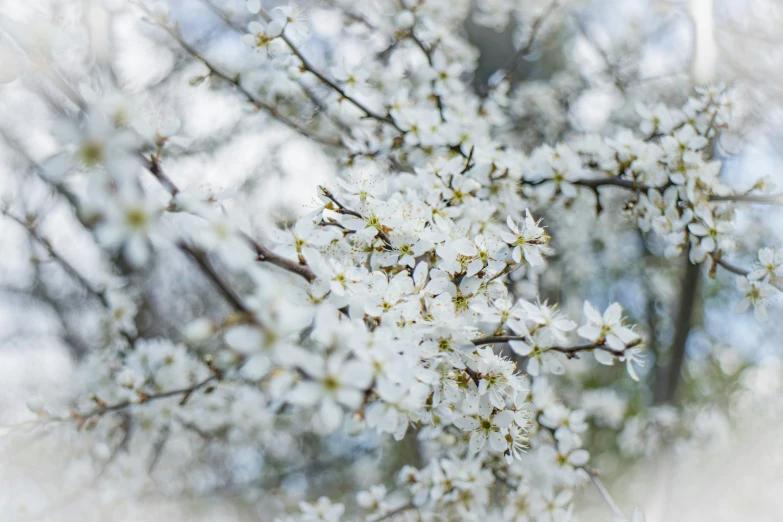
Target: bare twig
{"type": "Point", "coordinates": [234, 80]}
{"type": "Point", "coordinates": [611, 68]}
{"type": "Point", "coordinates": [65, 264]}
{"type": "Point", "coordinates": [734, 269]}
{"type": "Point", "coordinates": [263, 253]}
{"type": "Point", "coordinates": [307, 66]}
{"type": "Point", "coordinates": [392, 513]}
{"type": "Point", "coordinates": [671, 373]}
{"type": "Point", "coordinates": [102, 410]}
{"type": "Point", "coordinates": [200, 258]}
{"type": "Point", "coordinates": [342, 209]}
{"type": "Point", "coordinates": [319, 104]}
{"type": "Point", "coordinates": [570, 351]}
{"type": "Point", "coordinates": [599, 485]}
{"type": "Point", "coordinates": [535, 28]}
{"type": "Point", "coordinates": [772, 199]}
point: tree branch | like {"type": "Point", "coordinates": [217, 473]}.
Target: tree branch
{"type": "Point", "coordinates": [771, 199]}
{"type": "Point", "coordinates": [670, 374]}
{"type": "Point", "coordinates": [263, 253]}
{"type": "Point", "coordinates": [200, 257]}
{"type": "Point", "coordinates": [307, 66]}
{"type": "Point", "coordinates": [535, 27]}
{"type": "Point", "coordinates": [599, 485]}
{"type": "Point", "coordinates": [258, 103]}
{"type": "Point", "coordinates": [187, 391]}
{"type": "Point", "coordinates": [570, 351]}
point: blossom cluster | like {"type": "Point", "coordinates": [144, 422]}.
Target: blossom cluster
{"type": "Point", "coordinates": [406, 301]}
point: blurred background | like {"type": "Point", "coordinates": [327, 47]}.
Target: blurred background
{"type": "Point", "coordinates": [700, 440]}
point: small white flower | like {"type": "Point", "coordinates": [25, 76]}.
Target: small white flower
{"type": "Point", "coordinates": [770, 264]}
{"type": "Point", "coordinates": [261, 36]}
{"type": "Point", "coordinates": [486, 428]}
{"type": "Point", "coordinates": [607, 328]}
{"type": "Point", "coordinates": [756, 293]}
{"type": "Point", "coordinates": [321, 511]}
{"type": "Point", "coordinates": [128, 221]}
{"type": "Point", "coordinates": [333, 382]}
{"type": "Point", "coordinates": [528, 240]}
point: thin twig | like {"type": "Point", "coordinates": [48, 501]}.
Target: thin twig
{"type": "Point", "coordinates": [604, 492]}
{"type": "Point", "coordinates": [772, 199]}
{"type": "Point", "coordinates": [611, 68]}
{"type": "Point", "coordinates": [392, 513]}
{"type": "Point", "coordinates": [307, 66]}
{"type": "Point", "coordinates": [263, 253]}
{"type": "Point", "coordinates": [570, 351]}
{"type": "Point", "coordinates": [342, 209]}
{"type": "Point", "coordinates": [200, 257]}
{"type": "Point", "coordinates": [513, 62]}
{"type": "Point", "coordinates": [234, 80]}
{"type": "Point", "coordinates": [734, 269]}
{"type": "Point", "coordinates": [319, 104]}
{"type": "Point", "coordinates": [102, 410]}
{"type": "Point", "coordinates": [67, 266]}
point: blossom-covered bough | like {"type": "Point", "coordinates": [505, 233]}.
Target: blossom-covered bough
{"type": "Point", "coordinates": [404, 301]}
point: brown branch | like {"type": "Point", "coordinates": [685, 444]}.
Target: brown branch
{"type": "Point", "coordinates": [473, 375]}
{"type": "Point", "coordinates": [392, 513]}
{"type": "Point", "coordinates": [68, 267]}
{"type": "Point", "coordinates": [599, 485]}
{"type": "Point", "coordinates": [102, 410]}
{"type": "Point", "coordinates": [319, 104]}
{"type": "Point", "coordinates": [266, 255]}
{"type": "Point", "coordinates": [776, 199]}
{"type": "Point", "coordinates": [513, 62]}
{"type": "Point", "coordinates": [570, 351]}
{"type": "Point", "coordinates": [200, 257]}
{"type": "Point", "coordinates": [234, 80]}
{"type": "Point", "coordinates": [670, 374]}
{"type": "Point", "coordinates": [342, 209]}
{"type": "Point", "coordinates": [635, 186]}
{"type": "Point", "coordinates": [428, 53]}
{"type": "Point", "coordinates": [718, 261]}
{"type": "Point", "coordinates": [263, 253]}
{"type": "Point", "coordinates": [594, 183]}
{"type": "Point", "coordinates": [307, 66]}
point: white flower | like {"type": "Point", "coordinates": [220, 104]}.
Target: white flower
{"type": "Point", "coordinates": [262, 36]}
{"type": "Point", "coordinates": [536, 347]}
{"type": "Point", "coordinates": [658, 120]}
{"type": "Point", "coordinates": [550, 507]}
{"type": "Point", "coordinates": [128, 221]}
{"type": "Point", "coordinates": [770, 264]}
{"type": "Point", "coordinates": [303, 240]}
{"type": "Point", "coordinates": [490, 253]}
{"type": "Point", "coordinates": [528, 240]}
{"type": "Point", "coordinates": [607, 329]}
{"type": "Point", "coordinates": [122, 311]}
{"type": "Point", "coordinates": [631, 356]}
{"type": "Point", "coordinates": [333, 382]}
{"type": "Point", "coordinates": [341, 276]}
{"type": "Point", "coordinates": [321, 511]}
{"type": "Point", "coordinates": [708, 232]}
{"type": "Point", "coordinates": [295, 20]}
{"type": "Point", "coordinates": [95, 143]}
{"type": "Point", "coordinates": [372, 499]}
{"type": "Point", "coordinates": [684, 140]}
{"type": "Point", "coordinates": [162, 133]}
{"type": "Point", "coordinates": [549, 316]}
{"type": "Point", "coordinates": [485, 426]}
{"type": "Point", "coordinates": [756, 293]}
